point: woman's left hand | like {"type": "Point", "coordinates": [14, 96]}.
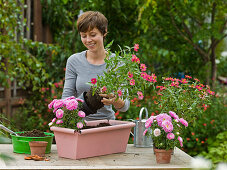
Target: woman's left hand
{"type": "Point", "coordinates": [109, 99]}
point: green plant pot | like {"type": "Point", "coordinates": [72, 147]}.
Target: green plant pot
{"type": "Point", "coordinates": [21, 143]}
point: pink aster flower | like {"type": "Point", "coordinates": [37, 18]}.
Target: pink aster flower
{"type": "Point", "coordinates": [59, 113]}
{"type": "Point", "coordinates": [70, 98]}
{"type": "Point", "coordinates": [140, 95]}
{"type": "Point", "coordinates": [53, 120]}
{"type": "Point", "coordinates": [174, 115]}
{"type": "Point", "coordinates": [149, 122]}
{"type": "Point", "coordinates": [167, 126]}
{"type": "Point", "coordinates": [170, 136]}
{"type": "Point", "coordinates": [183, 122]}
{"type": "Point", "coordinates": [119, 93]}
{"type": "Point", "coordinates": [136, 47]}
{"type": "Point", "coordinates": [180, 140]}
{"type": "Point", "coordinates": [143, 67]}
{"type": "Point", "coordinates": [51, 104]}
{"type": "Point", "coordinates": [79, 125]}
{"type": "Point", "coordinates": [144, 133]}
{"type": "Point", "coordinates": [80, 100]}
{"type": "Point", "coordinates": [81, 114]}
{"type": "Point", "coordinates": [58, 103]}
{"type": "Point", "coordinates": [130, 75]}
{"type": "Point", "coordinates": [93, 81]}
{"type": "Point", "coordinates": [132, 82]}
{"type": "Point", "coordinates": [72, 104]}
{"type": "Point", "coordinates": [103, 89]}
{"type": "Point", "coordinates": [162, 117]}
{"type": "Point", "coordinates": [59, 122]}
{"type": "Point", "coordinates": [157, 132]}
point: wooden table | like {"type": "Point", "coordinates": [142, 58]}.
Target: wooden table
{"type": "Point", "coordinates": [133, 158]}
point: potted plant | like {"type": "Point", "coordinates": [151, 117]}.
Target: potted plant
{"type": "Point", "coordinates": [187, 97]}
{"type": "Point", "coordinates": [74, 141]}
{"type": "Point", "coordinates": [125, 78]}
{"type": "Point", "coordinates": [165, 129]}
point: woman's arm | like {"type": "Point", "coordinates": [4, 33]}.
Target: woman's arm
{"type": "Point", "coordinates": [70, 80]}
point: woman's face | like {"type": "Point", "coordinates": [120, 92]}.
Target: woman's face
{"type": "Point", "coordinates": [92, 39]}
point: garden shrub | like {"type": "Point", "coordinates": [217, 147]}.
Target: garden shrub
{"type": "Point", "coordinates": [34, 113]}
{"type": "Point", "coordinates": [217, 149]}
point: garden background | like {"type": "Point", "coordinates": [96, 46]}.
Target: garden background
{"type": "Point", "coordinates": [186, 37]}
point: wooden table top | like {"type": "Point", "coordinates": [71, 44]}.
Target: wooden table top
{"type": "Point", "coordinates": [133, 158]}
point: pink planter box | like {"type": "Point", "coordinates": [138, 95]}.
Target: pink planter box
{"type": "Point", "coordinates": [93, 142]}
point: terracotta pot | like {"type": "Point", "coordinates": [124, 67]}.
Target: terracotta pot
{"type": "Point", "coordinates": [93, 142]}
{"type": "Point", "coordinates": [163, 156]}
{"type": "Point", "coordinates": [156, 148]}
{"type": "Point", "coordinates": [38, 147]}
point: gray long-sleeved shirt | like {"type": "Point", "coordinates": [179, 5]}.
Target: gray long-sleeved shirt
{"type": "Point", "coordinates": [78, 73]}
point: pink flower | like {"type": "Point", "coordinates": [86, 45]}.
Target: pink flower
{"type": "Point", "coordinates": [58, 103]}
{"type": "Point", "coordinates": [59, 122]}
{"type": "Point", "coordinates": [51, 104]}
{"type": "Point", "coordinates": [143, 67]}
{"type": "Point", "coordinates": [136, 47]}
{"type": "Point", "coordinates": [170, 136]}
{"type": "Point", "coordinates": [119, 93]}
{"type": "Point", "coordinates": [180, 140]}
{"type": "Point", "coordinates": [70, 98]}
{"type": "Point", "coordinates": [53, 120]}
{"type": "Point", "coordinates": [79, 125]}
{"type": "Point", "coordinates": [173, 114]}
{"type": "Point", "coordinates": [144, 75]}
{"type": "Point", "coordinates": [93, 81]}
{"type": "Point", "coordinates": [103, 89]}
{"type": "Point", "coordinates": [72, 104]}
{"type": "Point", "coordinates": [184, 81]}
{"type": "Point", "coordinates": [188, 76]}
{"type": "Point", "coordinates": [132, 82]}
{"type": "Point", "coordinates": [81, 114]}
{"type": "Point", "coordinates": [140, 95]}
{"type": "Point", "coordinates": [80, 100]}
{"type": "Point", "coordinates": [183, 122]}
{"type": "Point", "coordinates": [59, 113]}
{"type": "Point", "coordinates": [130, 75]}
{"type": "Point", "coordinates": [135, 59]}
{"type": "Point", "coordinates": [162, 117]}
{"type": "Point", "coordinates": [157, 132]}
{"type": "Point", "coordinates": [149, 122]}
{"type": "Point", "coordinates": [144, 133]}
{"type": "Point", "coordinates": [167, 126]}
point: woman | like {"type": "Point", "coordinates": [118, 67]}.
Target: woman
{"type": "Point", "coordinates": [82, 67]}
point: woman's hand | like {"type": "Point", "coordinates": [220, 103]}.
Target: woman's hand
{"type": "Point", "coordinates": [111, 99]}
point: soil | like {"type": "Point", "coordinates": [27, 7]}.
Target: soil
{"type": "Point", "coordinates": [93, 101]}
{"type": "Point", "coordinates": [33, 133]}
{"type": "Point", "coordinates": [99, 125]}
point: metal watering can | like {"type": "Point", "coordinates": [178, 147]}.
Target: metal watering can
{"type": "Point", "coordinates": [139, 139]}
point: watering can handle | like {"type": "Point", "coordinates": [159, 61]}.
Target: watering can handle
{"type": "Point", "coordinates": [141, 112]}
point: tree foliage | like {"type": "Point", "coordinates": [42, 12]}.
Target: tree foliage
{"type": "Point", "coordinates": [189, 29]}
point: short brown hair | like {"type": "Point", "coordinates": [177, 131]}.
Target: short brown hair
{"type": "Point", "coordinates": [91, 19]}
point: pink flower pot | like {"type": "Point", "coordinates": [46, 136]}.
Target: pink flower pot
{"type": "Point", "coordinates": [93, 142]}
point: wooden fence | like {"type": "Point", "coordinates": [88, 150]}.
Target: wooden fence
{"type": "Point", "coordinates": [13, 96]}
